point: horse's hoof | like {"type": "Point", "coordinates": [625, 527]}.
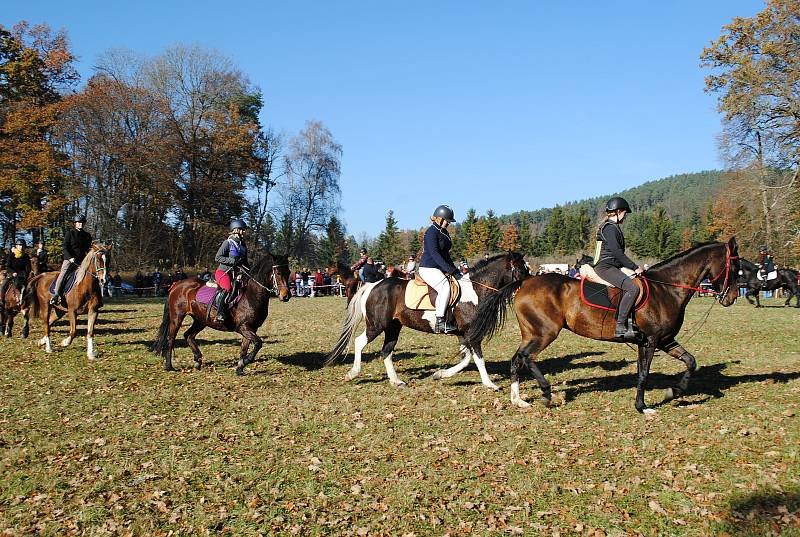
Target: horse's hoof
{"type": "Point", "coordinates": [350, 376]}
{"type": "Point", "coordinates": [520, 403]}
{"type": "Point", "coordinates": [398, 384]}
{"type": "Point", "coordinates": [437, 375]}
{"type": "Point", "coordinates": [669, 394]}
{"type": "Point", "coordinates": [169, 368]}
{"type": "Point", "coordinates": [240, 372]}
{"type": "Point", "coordinates": [65, 342]}
{"type": "Point", "coordinates": [91, 357]}
{"type": "Point", "coordinates": [494, 387]}
{"type": "Point", "coordinates": [648, 411]}
{"type": "Point", "coordinates": [197, 366]}
{"type": "Point", "coordinates": [547, 402]}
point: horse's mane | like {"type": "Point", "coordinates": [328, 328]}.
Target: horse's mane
{"type": "Point", "coordinates": [262, 268]}
{"type": "Point", "coordinates": [677, 258]}
{"type": "Point", "coordinates": [480, 265]}
{"type": "Point", "coordinates": [84, 267]}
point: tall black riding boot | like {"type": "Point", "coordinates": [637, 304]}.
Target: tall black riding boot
{"type": "Point", "coordinates": [220, 301]}
{"type": "Point", "coordinates": [624, 329]}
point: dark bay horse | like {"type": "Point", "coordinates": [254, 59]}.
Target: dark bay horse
{"type": "Point", "coordinates": [787, 279]}
{"type": "Point", "coordinates": [84, 297]}
{"type": "Point", "coordinates": [270, 275]}
{"type": "Point", "coordinates": [382, 305]}
{"type": "Point", "coordinates": [13, 304]}
{"type": "Point", "coordinates": [350, 279]}
{"type": "Point", "coordinates": [546, 304]}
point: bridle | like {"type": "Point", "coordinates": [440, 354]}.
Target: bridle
{"type": "Point", "coordinates": [729, 257]}
{"type": "Point", "coordinates": [272, 290]}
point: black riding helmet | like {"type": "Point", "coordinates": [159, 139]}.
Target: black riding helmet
{"type": "Point", "coordinates": [237, 224]}
{"type": "Point", "coordinates": [79, 218]}
{"type": "Point", "coordinates": [617, 204]}
{"type": "Point", "coordinates": [444, 211]}
{"type": "Point", "coordinates": [764, 248]}
{"type": "Point", "coordinates": [20, 242]}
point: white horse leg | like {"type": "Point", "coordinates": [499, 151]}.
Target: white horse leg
{"type": "Point", "coordinates": [92, 318]}
{"type": "Point", "coordinates": [45, 341]}
{"type": "Point", "coordinates": [516, 399]}
{"type": "Point", "coordinates": [447, 373]}
{"type": "Point", "coordinates": [394, 380]}
{"type": "Point", "coordinates": [359, 344]}
{"type": "Point", "coordinates": [481, 364]}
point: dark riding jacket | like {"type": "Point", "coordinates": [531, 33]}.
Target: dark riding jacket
{"type": "Point", "coordinates": [436, 250]}
{"type": "Point", "coordinates": [41, 259]}
{"type": "Point", "coordinates": [77, 244]}
{"type": "Point", "coordinates": [20, 265]}
{"type": "Point", "coordinates": [612, 252]}
{"type": "Point", "coordinates": [232, 253]}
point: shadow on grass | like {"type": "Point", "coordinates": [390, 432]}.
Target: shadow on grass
{"type": "Point", "coordinates": [310, 361]}
{"type": "Point", "coordinates": [763, 512]}
{"type": "Point", "coordinates": [707, 380]}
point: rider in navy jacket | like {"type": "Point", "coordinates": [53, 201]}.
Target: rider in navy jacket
{"type": "Point", "coordinates": [436, 263]}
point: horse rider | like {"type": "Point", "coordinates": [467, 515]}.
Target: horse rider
{"type": "Point", "coordinates": [18, 268]}
{"type": "Point", "coordinates": [356, 268]}
{"type": "Point", "coordinates": [411, 267]}
{"type": "Point", "coordinates": [765, 264]}
{"type": "Point", "coordinates": [370, 271]}
{"type": "Point", "coordinates": [436, 263]}
{"type": "Point", "coordinates": [41, 257]}
{"type": "Point", "coordinates": [231, 254]}
{"type": "Point", "coordinates": [610, 258]}
{"type": "Point", "coordinates": [77, 243]}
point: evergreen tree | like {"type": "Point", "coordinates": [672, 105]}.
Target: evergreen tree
{"type": "Point", "coordinates": [659, 239]}
{"type": "Point", "coordinates": [525, 239]}
{"type": "Point", "coordinates": [414, 244]}
{"type": "Point", "coordinates": [387, 247]}
{"type": "Point", "coordinates": [553, 234]}
{"type": "Point", "coordinates": [333, 246]}
{"type": "Point", "coordinates": [463, 234]}
{"type": "Point", "coordinates": [493, 231]}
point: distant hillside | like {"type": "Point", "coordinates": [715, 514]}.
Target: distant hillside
{"type": "Point", "coordinates": [681, 195]}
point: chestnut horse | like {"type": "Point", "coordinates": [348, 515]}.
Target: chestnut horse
{"type": "Point", "coordinates": [546, 304]}
{"type": "Point", "coordinates": [382, 304]}
{"type": "Point", "coordinates": [84, 297]}
{"type": "Point", "coordinates": [270, 275]}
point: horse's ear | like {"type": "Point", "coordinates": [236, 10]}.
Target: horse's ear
{"type": "Point", "coordinates": [732, 245]}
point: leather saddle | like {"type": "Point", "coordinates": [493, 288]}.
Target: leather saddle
{"type": "Point", "coordinates": [597, 292]}
{"type": "Point", "coordinates": [421, 296]}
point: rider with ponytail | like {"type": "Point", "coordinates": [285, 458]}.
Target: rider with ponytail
{"type": "Point", "coordinates": [231, 254]}
{"type": "Point", "coordinates": [436, 263]}
{"type": "Point", "coordinates": [610, 258]}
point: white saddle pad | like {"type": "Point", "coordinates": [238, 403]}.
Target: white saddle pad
{"type": "Point", "coordinates": [771, 276]}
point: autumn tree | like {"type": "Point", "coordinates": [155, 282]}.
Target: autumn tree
{"type": "Point", "coordinates": [755, 71]}
{"type": "Point", "coordinates": [36, 68]}
{"type": "Point", "coordinates": [510, 240]}
{"type": "Point", "coordinates": [479, 242]}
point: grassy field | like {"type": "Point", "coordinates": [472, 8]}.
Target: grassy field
{"type": "Point", "coordinates": [118, 446]}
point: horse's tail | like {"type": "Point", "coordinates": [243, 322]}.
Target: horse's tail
{"type": "Point", "coordinates": [491, 314]}
{"type": "Point", "coordinates": [160, 344]}
{"type": "Point", "coordinates": [29, 298]}
{"type": "Point", "coordinates": [351, 320]}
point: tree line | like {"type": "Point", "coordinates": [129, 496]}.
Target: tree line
{"type": "Point", "coordinates": [160, 153]}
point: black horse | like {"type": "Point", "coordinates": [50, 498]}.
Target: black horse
{"type": "Point", "coordinates": [787, 279]}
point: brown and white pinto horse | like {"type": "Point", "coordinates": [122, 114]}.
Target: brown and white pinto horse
{"type": "Point", "coordinates": [382, 305]}
{"type": "Point", "coordinates": [270, 275]}
{"type": "Point", "coordinates": [84, 297]}
{"type": "Point", "coordinates": [546, 304]}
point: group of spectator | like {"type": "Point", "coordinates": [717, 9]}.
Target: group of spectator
{"type": "Point", "coordinates": [319, 283]}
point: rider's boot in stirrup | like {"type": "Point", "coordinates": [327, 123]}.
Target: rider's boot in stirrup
{"type": "Point", "coordinates": [443, 326]}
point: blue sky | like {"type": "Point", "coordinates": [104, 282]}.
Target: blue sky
{"type": "Point", "coordinates": [504, 105]}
